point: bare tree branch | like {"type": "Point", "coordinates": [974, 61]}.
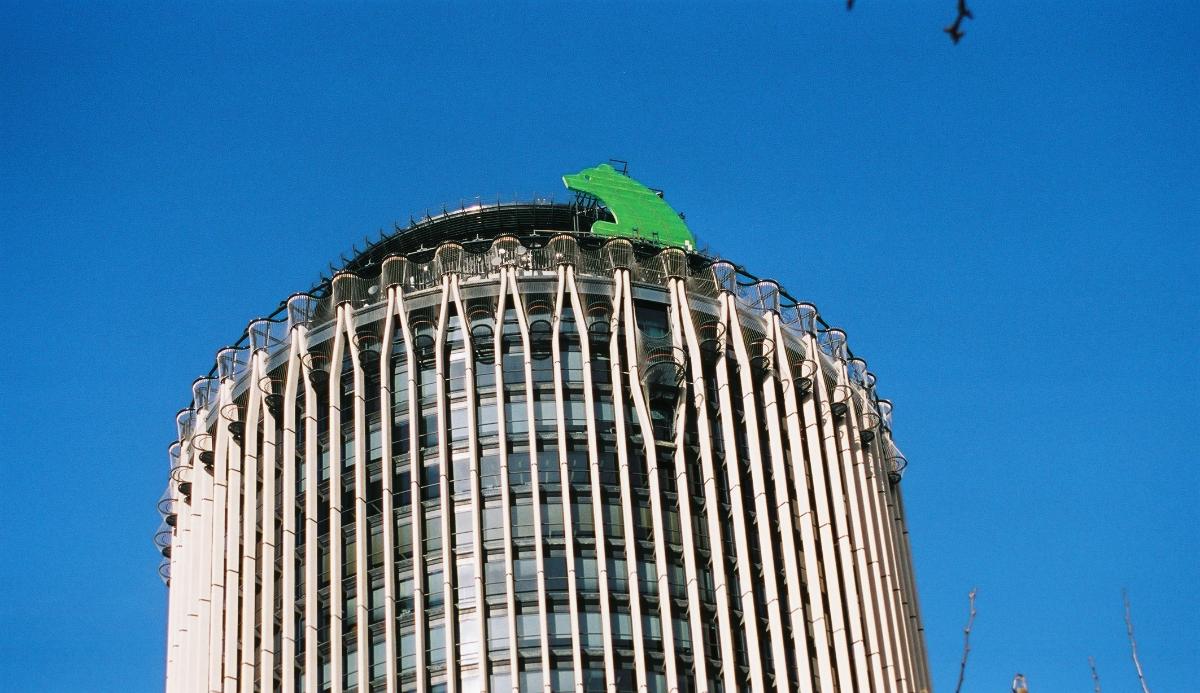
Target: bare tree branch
{"type": "Point", "coordinates": [1133, 642]}
{"type": "Point", "coordinates": [955, 28]}
{"type": "Point", "coordinates": [1095, 676]}
{"type": "Point", "coordinates": [962, 667]}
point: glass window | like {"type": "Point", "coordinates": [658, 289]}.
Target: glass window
{"type": "Point", "coordinates": [591, 632]}
{"type": "Point", "coordinates": [429, 430]}
{"type": "Point", "coordinates": [583, 518]}
{"type": "Point", "coordinates": [400, 440]}
{"type": "Point", "coordinates": [518, 469]}
{"type": "Point", "coordinates": [652, 627]}
{"type": "Point", "coordinates": [458, 424]}
{"type": "Point", "coordinates": [587, 571]}
{"type": "Point", "coordinates": [493, 521]}
{"type": "Point", "coordinates": [404, 596]}
{"type": "Point", "coordinates": [647, 578]}
{"type": "Point", "coordinates": [529, 633]}
{"type": "Point", "coordinates": [466, 583]}
{"type": "Point", "coordinates": [404, 538]}
{"type": "Point", "coordinates": [613, 526]}
{"type": "Point", "coordinates": [517, 416]}
{"type": "Point", "coordinates": [435, 587]}
{"type": "Point", "coordinates": [522, 519]}
{"type": "Point", "coordinates": [488, 417]}
{"type": "Point", "coordinates": [437, 645]}
{"type": "Point", "coordinates": [433, 531]}
{"type": "Point", "coordinates": [461, 482]}
{"type": "Point", "coordinates": [495, 576]}
{"type": "Point", "coordinates": [408, 651]}
{"type": "Point", "coordinates": [457, 375]}
{"type": "Point", "coordinates": [350, 664]}
{"type": "Point", "coordinates": [560, 628]}
{"type": "Point", "coordinates": [375, 442]}
{"type": "Point", "coordinates": [562, 680]}
{"type": "Point", "coordinates": [463, 534]}
{"type": "Point", "coordinates": [531, 681]}
{"type": "Point", "coordinates": [525, 574]}
{"type": "Point", "coordinates": [378, 656]}
{"type": "Point", "coordinates": [622, 627]}
{"type": "Point", "coordinates": [552, 518]}
{"type": "Point", "coordinates": [489, 472]}
{"type": "Point", "coordinates": [468, 636]}
{"type": "Point", "coordinates": [546, 414]}
{"type": "Point", "coordinates": [618, 575]}
{"type": "Point", "coordinates": [498, 633]}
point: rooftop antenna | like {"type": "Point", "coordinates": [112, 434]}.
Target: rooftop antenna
{"type": "Point", "coordinates": [623, 168]}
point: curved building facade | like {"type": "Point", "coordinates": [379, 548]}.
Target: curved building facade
{"type": "Point", "coordinates": [501, 451]}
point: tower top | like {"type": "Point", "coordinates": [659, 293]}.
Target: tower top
{"type": "Point", "coordinates": [639, 211]}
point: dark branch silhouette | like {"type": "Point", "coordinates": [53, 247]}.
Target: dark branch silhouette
{"type": "Point", "coordinates": [962, 667]}
{"type": "Point", "coordinates": [1133, 642]}
{"type": "Point", "coordinates": [955, 28]}
{"type": "Point", "coordinates": [1095, 676]}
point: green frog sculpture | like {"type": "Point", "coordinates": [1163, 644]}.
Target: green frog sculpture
{"type": "Point", "coordinates": [640, 212]}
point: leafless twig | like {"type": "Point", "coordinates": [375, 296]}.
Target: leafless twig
{"type": "Point", "coordinates": [962, 667]}
{"type": "Point", "coordinates": [1095, 676]}
{"type": "Point", "coordinates": [955, 28]}
{"type": "Point", "coordinates": [1133, 642]}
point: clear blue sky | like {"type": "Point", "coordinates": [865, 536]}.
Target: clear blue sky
{"type": "Point", "coordinates": [1007, 229]}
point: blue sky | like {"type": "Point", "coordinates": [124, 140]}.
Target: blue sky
{"type": "Point", "coordinates": [1007, 229]}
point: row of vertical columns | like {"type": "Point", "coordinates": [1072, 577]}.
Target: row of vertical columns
{"type": "Point", "coordinates": [598, 519]}
{"type": "Point", "coordinates": [695, 622]}
{"type": "Point", "coordinates": [656, 495]}
{"type": "Point", "coordinates": [627, 510]}
{"type": "Point", "coordinates": [564, 474]}
{"type": "Point", "coordinates": [832, 543]}
{"type": "Point", "coordinates": [782, 512]}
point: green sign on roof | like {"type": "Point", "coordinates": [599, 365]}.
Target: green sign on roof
{"type": "Point", "coordinates": [639, 211]}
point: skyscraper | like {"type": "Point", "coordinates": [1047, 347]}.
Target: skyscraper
{"type": "Point", "coordinates": [539, 447]}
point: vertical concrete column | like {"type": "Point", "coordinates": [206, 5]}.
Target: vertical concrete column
{"type": "Point", "coordinates": [291, 458]}
{"type": "Point", "coordinates": [312, 562]}
{"type": "Point", "coordinates": [505, 488]}
{"type": "Point", "coordinates": [420, 627]}
{"type": "Point", "coordinates": [249, 522]}
{"type": "Point", "coordinates": [362, 591]}
{"type": "Point", "coordinates": [337, 600]}
{"type": "Point", "coordinates": [267, 653]}
{"type": "Point", "coordinates": [476, 490]}
{"type": "Point", "coordinates": [445, 497]}
{"type": "Point", "coordinates": [386, 477]}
